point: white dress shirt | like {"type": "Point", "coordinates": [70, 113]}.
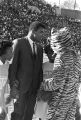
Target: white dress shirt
{"type": "Point", "coordinates": [31, 44]}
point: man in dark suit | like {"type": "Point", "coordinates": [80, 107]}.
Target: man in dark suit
{"type": "Point", "coordinates": [26, 68]}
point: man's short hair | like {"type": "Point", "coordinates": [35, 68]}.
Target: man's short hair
{"type": "Point", "coordinates": [36, 25]}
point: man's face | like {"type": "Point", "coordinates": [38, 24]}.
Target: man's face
{"type": "Point", "coordinates": [40, 35]}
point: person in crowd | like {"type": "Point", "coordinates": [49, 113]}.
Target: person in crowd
{"type": "Point", "coordinates": [5, 55]}
{"type": "Point", "coordinates": [26, 68]}
{"type": "Point", "coordinates": [78, 115]}
{"type": "Point", "coordinates": [65, 78]}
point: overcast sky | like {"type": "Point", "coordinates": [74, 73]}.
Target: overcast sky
{"type": "Point", "coordinates": [62, 1]}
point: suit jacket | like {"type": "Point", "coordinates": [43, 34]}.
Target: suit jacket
{"type": "Point", "coordinates": [28, 72]}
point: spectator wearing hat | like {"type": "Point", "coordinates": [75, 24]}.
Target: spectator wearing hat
{"type": "Point", "coordinates": [26, 68]}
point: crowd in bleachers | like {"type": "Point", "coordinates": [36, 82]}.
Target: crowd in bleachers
{"type": "Point", "coordinates": [16, 16]}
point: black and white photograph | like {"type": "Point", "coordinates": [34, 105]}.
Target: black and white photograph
{"type": "Point", "coordinates": [40, 59]}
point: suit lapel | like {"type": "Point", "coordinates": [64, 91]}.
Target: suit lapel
{"type": "Point", "coordinates": [28, 46]}
{"type": "Point", "coordinates": [30, 51]}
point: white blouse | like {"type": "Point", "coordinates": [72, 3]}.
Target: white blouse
{"type": "Point", "coordinates": [3, 74]}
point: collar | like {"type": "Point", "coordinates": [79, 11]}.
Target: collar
{"type": "Point", "coordinates": [31, 43]}
{"type": "Point", "coordinates": [29, 39]}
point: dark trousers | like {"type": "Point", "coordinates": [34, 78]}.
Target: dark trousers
{"type": "Point", "coordinates": [24, 107]}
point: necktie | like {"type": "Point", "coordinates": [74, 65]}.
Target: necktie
{"type": "Point", "coordinates": [34, 51]}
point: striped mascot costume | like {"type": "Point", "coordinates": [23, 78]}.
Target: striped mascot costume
{"type": "Point", "coordinates": [64, 81]}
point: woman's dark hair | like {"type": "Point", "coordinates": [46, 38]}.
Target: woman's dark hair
{"type": "Point", "coordinates": [4, 45]}
{"type": "Point", "coordinates": [48, 49]}
{"type": "Point", "coordinates": [50, 53]}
